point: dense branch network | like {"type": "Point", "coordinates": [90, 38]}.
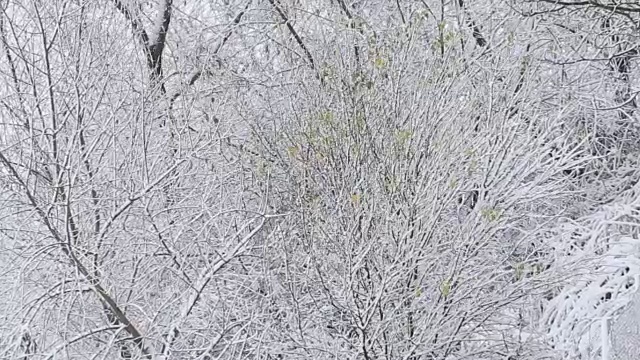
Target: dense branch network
{"type": "Point", "coordinates": [153, 43]}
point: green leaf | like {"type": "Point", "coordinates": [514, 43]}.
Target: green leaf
{"type": "Point", "coordinates": [380, 63]}
{"type": "Point", "coordinates": [519, 269]}
{"type": "Point", "coordinates": [360, 122]}
{"type": "Point", "coordinates": [293, 151]}
{"type": "Point", "coordinates": [473, 166]}
{"type": "Point", "coordinates": [326, 141]}
{"type": "Point", "coordinates": [327, 117]}
{"type": "Point", "coordinates": [391, 184]}
{"type": "Point", "coordinates": [490, 214]}
{"type": "Point", "coordinates": [449, 37]}
{"type": "Point", "coordinates": [403, 136]}
{"type": "Point", "coordinates": [445, 288]}
{"type": "Point", "coordinates": [355, 199]}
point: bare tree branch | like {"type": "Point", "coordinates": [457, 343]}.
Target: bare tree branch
{"type": "Point", "coordinates": [624, 8]}
{"type": "Point", "coordinates": [293, 31]}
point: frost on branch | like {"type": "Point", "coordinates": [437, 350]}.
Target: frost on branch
{"type": "Point", "coordinates": [601, 250]}
{"type": "Point", "coordinates": [160, 24]}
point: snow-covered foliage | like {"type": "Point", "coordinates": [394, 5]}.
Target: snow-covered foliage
{"type": "Point", "coordinates": [317, 179]}
{"type": "Point", "coordinates": [600, 254]}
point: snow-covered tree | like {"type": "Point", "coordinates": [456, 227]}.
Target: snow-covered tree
{"type": "Point", "coordinates": [269, 179]}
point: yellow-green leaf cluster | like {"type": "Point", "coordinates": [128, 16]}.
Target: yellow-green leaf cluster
{"type": "Point", "coordinates": [402, 137]}
{"type": "Point", "coordinates": [490, 214]}
{"type": "Point", "coordinates": [293, 151]}
{"type": "Point", "coordinates": [380, 62]}
{"type": "Point", "coordinates": [355, 199]}
{"type": "Point", "coordinates": [445, 287]}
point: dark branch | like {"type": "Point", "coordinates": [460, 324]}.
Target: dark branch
{"type": "Point", "coordinates": [476, 33]}
{"type": "Point", "coordinates": [197, 74]}
{"type": "Point", "coordinates": [294, 33]}
{"type": "Point", "coordinates": [352, 25]}
{"type": "Point", "coordinates": [137, 27]}
{"type": "Point", "coordinates": [105, 298]}
{"type": "Point", "coordinates": [155, 49]}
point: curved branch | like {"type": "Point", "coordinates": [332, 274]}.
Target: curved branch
{"type": "Point", "coordinates": [105, 298]}
{"type": "Point", "coordinates": [620, 9]}
{"type": "Point", "coordinates": [78, 338]}
{"type": "Point", "coordinates": [205, 277]}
